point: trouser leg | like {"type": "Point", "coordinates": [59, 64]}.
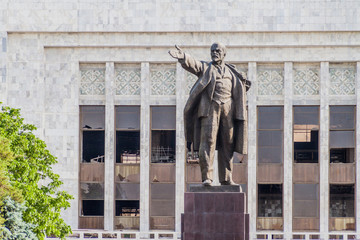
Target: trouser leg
{"type": "Point", "coordinates": [226, 144]}
{"type": "Point", "coordinates": [209, 129]}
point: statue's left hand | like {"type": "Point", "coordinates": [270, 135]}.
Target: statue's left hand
{"type": "Point", "coordinates": [178, 53]}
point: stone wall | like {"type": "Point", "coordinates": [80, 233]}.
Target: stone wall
{"type": "Point", "coordinates": [51, 51]}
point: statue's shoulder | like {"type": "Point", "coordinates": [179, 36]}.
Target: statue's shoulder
{"type": "Point", "coordinates": [240, 75]}
{"type": "Point", "coordinates": [232, 67]}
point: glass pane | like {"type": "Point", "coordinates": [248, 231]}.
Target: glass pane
{"type": "Point", "coordinates": [270, 147]}
{"type": "Point", "coordinates": [306, 200]}
{"type": "Point", "coordinates": [162, 208]}
{"type": "Point", "coordinates": [270, 200]}
{"type": "Point", "coordinates": [127, 191]}
{"type": "Point", "coordinates": [127, 146]}
{"type": "Point", "coordinates": [92, 117]}
{"type": "Point", "coordinates": [163, 146]}
{"type": "Point", "coordinates": [163, 118]}
{"type": "Point", "coordinates": [306, 115]}
{"type": "Point", "coordinates": [163, 191]}
{"type": "Point", "coordinates": [306, 191]}
{"type": "Point", "coordinates": [130, 208]}
{"type": "Point", "coordinates": [270, 117]}
{"type": "Point", "coordinates": [306, 146]}
{"type": "Point", "coordinates": [92, 191]}
{"type": "Point", "coordinates": [342, 201]}
{"type": "Point", "coordinates": [162, 199]}
{"type": "Point", "coordinates": [269, 138]}
{"type": "Point", "coordinates": [92, 208]}
{"type": "Point", "coordinates": [342, 117]}
{"type": "Point", "coordinates": [342, 139]}
{"type": "Point", "coordinates": [270, 155]}
{"type": "Point", "coordinates": [127, 117]}
{"type": "Point", "coordinates": [306, 208]}
{"type": "Point", "coordinates": [342, 155]}
{"type": "Point", "coordinates": [93, 146]}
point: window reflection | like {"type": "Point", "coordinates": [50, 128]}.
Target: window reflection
{"type": "Point", "coordinates": [306, 134]}
{"type": "Point", "coordinates": [342, 134]}
{"type": "Point", "coordinates": [270, 134]}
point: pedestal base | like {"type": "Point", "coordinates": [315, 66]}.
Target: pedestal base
{"type": "Point", "coordinates": [215, 215]}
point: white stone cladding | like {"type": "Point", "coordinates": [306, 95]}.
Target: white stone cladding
{"type": "Point", "coordinates": [44, 45]}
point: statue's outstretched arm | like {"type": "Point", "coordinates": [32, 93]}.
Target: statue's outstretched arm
{"type": "Point", "coordinates": [187, 61]}
{"type": "Point", "coordinates": [178, 53]}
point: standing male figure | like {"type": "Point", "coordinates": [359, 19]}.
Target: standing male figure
{"type": "Point", "coordinates": [215, 114]}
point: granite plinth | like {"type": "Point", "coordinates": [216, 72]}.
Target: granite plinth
{"type": "Point", "coordinates": [223, 188]}
{"type": "Point", "coordinates": [215, 214]}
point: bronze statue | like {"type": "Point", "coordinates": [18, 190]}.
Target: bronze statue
{"type": "Point", "coordinates": [215, 114]}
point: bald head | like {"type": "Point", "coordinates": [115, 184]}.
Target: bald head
{"type": "Point", "coordinates": [218, 52]}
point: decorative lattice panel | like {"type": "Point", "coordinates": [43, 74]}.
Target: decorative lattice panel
{"type": "Point", "coordinates": [128, 80]}
{"type": "Point", "coordinates": [342, 80]}
{"type": "Point", "coordinates": [163, 80]}
{"type": "Point", "coordinates": [306, 81]}
{"type": "Point", "coordinates": [92, 81]}
{"type": "Point", "coordinates": [190, 80]}
{"type": "Point", "coordinates": [270, 81]}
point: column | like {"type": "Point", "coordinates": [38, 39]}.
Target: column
{"type": "Point", "coordinates": [324, 150]}
{"type": "Point", "coordinates": [252, 120]}
{"type": "Point", "coordinates": [288, 150]}
{"type": "Point", "coordinates": [357, 158]}
{"type": "Point", "coordinates": [109, 148]}
{"type": "Point", "coordinates": [180, 145]}
{"type": "Point", "coordinates": [145, 149]}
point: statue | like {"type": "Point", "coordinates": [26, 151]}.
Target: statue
{"type": "Point", "coordinates": [215, 114]}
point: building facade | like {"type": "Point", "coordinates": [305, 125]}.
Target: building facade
{"type": "Point", "coordinates": [96, 79]}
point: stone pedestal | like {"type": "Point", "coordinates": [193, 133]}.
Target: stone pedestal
{"type": "Point", "coordinates": [214, 213]}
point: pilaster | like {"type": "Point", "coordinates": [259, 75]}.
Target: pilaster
{"type": "Point", "coordinates": [144, 148]}
{"type": "Point", "coordinates": [181, 87]}
{"type": "Point", "coordinates": [252, 120]}
{"type": "Point", "coordinates": [357, 185]}
{"type": "Point", "coordinates": [288, 149]}
{"type": "Point", "coordinates": [109, 148]}
{"type": "Point", "coordinates": [324, 150]}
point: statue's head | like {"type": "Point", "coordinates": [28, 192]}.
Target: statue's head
{"type": "Point", "coordinates": [218, 52]}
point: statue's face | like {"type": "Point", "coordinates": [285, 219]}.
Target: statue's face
{"type": "Point", "coordinates": [217, 52]}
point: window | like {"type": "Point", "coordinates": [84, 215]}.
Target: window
{"type": "Point", "coordinates": [92, 195]}
{"type": "Point", "coordinates": [93, 133]}
{"type": "Point", "coordinates": [127, 167]}
{"type": "Point", "coordinates": [306, 200]}
{"type": "Point", "coordinates": [342, 134]}
{"type": "Point", "coordinates": [163, 120]}
{"type": "Point", "coordinates": [127, 197]}
{"type": "Point", "coordinates": [128, 134]}
{"type": "Point", "coordinates": [92, 128]}
{"type": "Point", "coordinates": [342, 201]}
{"type": "Point", "coordinates": [162, 199]}
{"type": "Point", "coordinates": [270, 135]}
{"type": "Point", "coordinates": [306, 134]}
{"type": "Point", "coordinates": [270, 200]}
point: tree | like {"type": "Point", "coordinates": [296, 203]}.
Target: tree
{"type": "Point", "coordinates": [15, 228]}
{"type": "Point", "coordinates": [30, 172]}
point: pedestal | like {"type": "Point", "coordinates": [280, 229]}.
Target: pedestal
{"type": "Point", "coordinates": [215, 213]}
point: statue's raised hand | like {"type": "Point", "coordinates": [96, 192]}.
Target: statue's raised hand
{"type": "Point", "coordinates": [178, 53]}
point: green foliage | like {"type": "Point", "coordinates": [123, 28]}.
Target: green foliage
{"type": "Point", "coordinates": [6, 189]}
{"type": "Point", "coordinates": [15, 228]}
{"type": "Point", "coordinates": [30, 172]}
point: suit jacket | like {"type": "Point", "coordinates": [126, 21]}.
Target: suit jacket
{"type": "Point", "coordinates": [198, 104]}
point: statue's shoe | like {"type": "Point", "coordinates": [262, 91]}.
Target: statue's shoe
{"type": "Point", "coordinates": [229, 183]}
{"type": "Point", "coordinates": [207, 182]}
